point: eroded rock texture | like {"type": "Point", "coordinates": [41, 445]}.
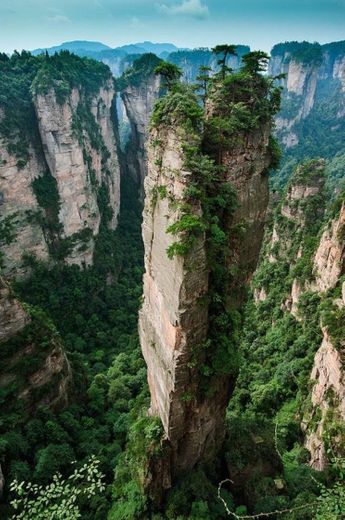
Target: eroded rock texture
{"type": "Point", "coordinates": [174, 318]}
{"type": "Point", "coordinates": [323, 423]}
{"type": "Point", "coordinates": [246, 169]}
{"type": "Point", "coordinates": [305, 85]}
{"type": "Point", "coordinates": [78, 163]}
{"type": "Point", "coordinates": [76, 147]}
{"type": "Point", "coordinates": [329, 260]}
{"type": "Point", "coordinates": [32, 359]}
{"type": "Point", "coordinates": [18, 205]}
{"type": "Point", "coordinates": [13, 318]}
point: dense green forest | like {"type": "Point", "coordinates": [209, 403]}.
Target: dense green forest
{"type": "Point", "coordinates": [95, 313]}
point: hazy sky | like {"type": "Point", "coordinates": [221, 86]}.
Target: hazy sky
{"type": "Point", "coordinates": [187, 23]}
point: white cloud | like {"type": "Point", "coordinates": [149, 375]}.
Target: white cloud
{"type": "Point", "coordinates": [136, 23]}
{"type": "Point", "coordinates": [194, 8]}
{"type": "Point", "coordinates": [59, 18]}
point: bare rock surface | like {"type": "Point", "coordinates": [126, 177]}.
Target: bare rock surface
{"type": "Point", "coordinates": [173, 321]}
{"type": "Point", "coordinates": [329, 260]}
{"type": "Point", "coordinates": [13, 318]}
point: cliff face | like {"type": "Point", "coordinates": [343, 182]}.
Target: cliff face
{"type": "Point", "coordinates": [314, 77]}
{"type": "Point", "coordinates": [306, 186]}
{"type": "Point", "coordinates": [246, 166]}
{"type": "Point", "coordinates": [13, 318]}
{"type": "Point", "coordinates": [186, 315]}
{"type": "Point", "coordinates": [191, 61]}
{"type": "Point", "coordinates": [52, 184]}
{"type": "Point", "coordinates": [299, 288]}
{"type": "Point", "coordinates": [329, 260]}
{"type": "Point", "coordinates": [139, 101]}
{"type": "Point", "coordinates": [78, 164]}
{"type": "Point", "coordinates": [172, 320]}
{"type": "Point", "coordinates": [20, 232]}
{"type": "Point", "coordinates": [323, 424]}
{"type": "Point", "coordinates": [33, 365]}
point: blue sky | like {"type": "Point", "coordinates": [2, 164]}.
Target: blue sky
{"type": "Point", "coordinates": [187, 23]}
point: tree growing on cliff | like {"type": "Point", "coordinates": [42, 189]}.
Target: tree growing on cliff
{"type": "Point", "coordinates": [225, 50]}
{"type": "Point", "coordinates": [170, 73]}
{"type": "Point", "coordinates": [255, 62]}
{"type": "Point", "coordinates": [203, 80]}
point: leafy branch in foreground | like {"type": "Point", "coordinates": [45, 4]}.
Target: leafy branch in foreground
{"type": "Point", "coordinates": [59, 499]}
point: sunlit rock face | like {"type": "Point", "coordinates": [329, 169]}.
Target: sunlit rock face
{"type": "Point", "coordinates": [329, 260]}
{"type": "Point", "coordinates": [18, 207]}
{"type": "Point", "coordinates": [328, 374]}
{"type": "Point", "coordinates": [76, 145]}
{"type": "Point", "coordinates": [174, 319]}
{"type": "Point", "coordinates": [13, 318]}
{"type": "Point", "coordinates": [78, 166]}
{"type": "Point", "coordinates": [312, 76]}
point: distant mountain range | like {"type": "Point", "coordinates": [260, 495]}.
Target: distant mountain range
{"type": "Point", "coordinates": [74, 46]}
{"type": "Point", "coordinates": [120, 58]}
{"type": "Point", "coordinates": [87, 48]}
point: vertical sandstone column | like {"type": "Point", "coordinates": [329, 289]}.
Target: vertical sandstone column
{"type": "Point", "coordinates": [174, 321]}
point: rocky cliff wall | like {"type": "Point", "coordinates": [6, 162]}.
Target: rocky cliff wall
{"type": "Point", "coordinates": [190, 61]}
{"type": "Point", "coordinates": [139, 101]}
{"type": "Point", "coordinates": [21, 232]}
{"type": "Point", "coordinates": [314, 75]}
{"type": "Point", "coordinates": [187, 322]}
{"type": "Point", "coordinates": [324, 424]}
{"type": "Point", "coordinates": [306, 254]}
{"type": "Point", "coordinates": [33, 364]}
{"type": "Point", "coordinates": [51, 201]}
{"type": "Point", "coordinates": [81, 154]}
{"type": "Point", "coordinates": [172, 320]}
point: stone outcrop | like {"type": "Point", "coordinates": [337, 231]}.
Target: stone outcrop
{"type": "Point", "coordinates": [246, 168]}
{"type": "Point", "coordinates": [139, 100]}
{"type": "Point", "coordinates": [46, 377]}
{"type": "Point", "coordinates": [174, 320]}
{"type": "Point", "coordinates": [306, 183]}
{"type": "Point", "coordinates": [313, 258]}
{"type": "Point", "coordinates": [190, 61]}
{"type": "Point", "coordinates": [77, 165]}
{"type": "Point", "coordinates": [75, 146]}
{"type": "Point", "coordinates": [18, 207]}
{"type": "Point", "coordinates": [329, 260]}
{"type": "Point", "coordinates": [13, 318]}
{"type": "Point", "coordinates": [304, 84]}
{"type": "Point", "coordinates": [327, 397]}
{"type": "Point", "coordinates": [328, 374]}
